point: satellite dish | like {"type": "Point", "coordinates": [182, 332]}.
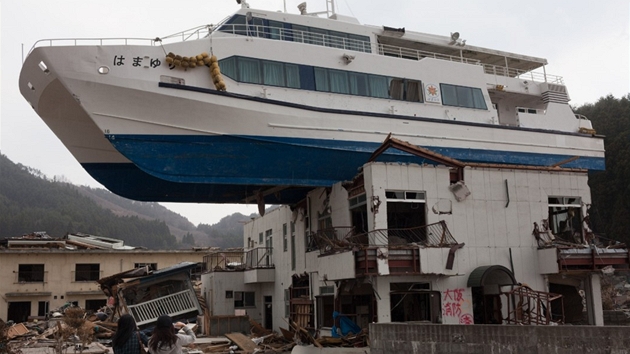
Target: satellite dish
{"type": "Point", "coordinates": [454, 36]}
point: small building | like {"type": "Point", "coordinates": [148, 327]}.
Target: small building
{"type": "Point", "coordinates": [41, 273]}
{"type": "Point", "coordinates": [441, 242]}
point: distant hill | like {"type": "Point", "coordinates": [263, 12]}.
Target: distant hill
{"type": "Point", "coordinates": [29, 201]}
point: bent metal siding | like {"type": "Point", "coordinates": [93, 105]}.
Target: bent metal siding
{"type": "Point", "coordinates": [497, 339]}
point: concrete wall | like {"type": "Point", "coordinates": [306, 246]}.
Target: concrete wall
{"type": "Point", "coordinates": [427, 338]}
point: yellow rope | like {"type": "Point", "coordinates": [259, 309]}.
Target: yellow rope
{"type": "Point", "coordinates": [202, 59]}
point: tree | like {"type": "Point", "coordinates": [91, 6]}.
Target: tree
{"type": "Point", "coordinates": [610, 189]}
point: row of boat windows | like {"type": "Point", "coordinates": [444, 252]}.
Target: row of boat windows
{"type": "Point", "coordinates": [259, 27]}
{"type": "Point", "coordinates": [274, 73]}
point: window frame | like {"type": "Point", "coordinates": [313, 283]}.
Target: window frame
{"type": "Point", "coordinates": [242, 297]}
{"type": "Point", "coordinates": [91, 272]}
{"type": "Point", "coordinates": [451, 96]}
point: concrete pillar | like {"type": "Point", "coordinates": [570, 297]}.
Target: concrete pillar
{"type": "Point", "coordinates": [593, 291]}
{"type": "Point", "coordinates": [383, 307]}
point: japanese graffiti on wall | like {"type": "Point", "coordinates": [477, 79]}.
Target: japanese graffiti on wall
{"type": "Point", "coordinates": [457, 306]}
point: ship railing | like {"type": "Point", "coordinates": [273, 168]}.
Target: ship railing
{"type": "Point", "coordinates": [414, 54]}
{"type": "Point", "coordinates": [190, 34]}
{"type": "Point", "coordinates": [300, 36]}
{"type": "Point", "coordinates": [534, 76]}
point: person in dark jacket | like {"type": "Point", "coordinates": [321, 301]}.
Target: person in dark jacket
{"type": "Point", "coordinates": [127, 338]}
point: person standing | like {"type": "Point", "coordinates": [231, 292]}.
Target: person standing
{"type": "Point", "coordinates": [128, 339]}
{"type": "Point", "coordinates": [166, 340]}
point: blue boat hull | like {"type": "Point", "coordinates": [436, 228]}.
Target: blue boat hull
{"type": "Point", "coordinates": [254, 160]}
{"type": "Point", "coordinates": [128, 181]}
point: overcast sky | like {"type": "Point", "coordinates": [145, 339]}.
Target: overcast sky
{"type": "Point", "coordinates": [584, 41]}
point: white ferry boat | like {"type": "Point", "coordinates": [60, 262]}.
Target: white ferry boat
{"type": "Point", "coordinates": [299, 101]}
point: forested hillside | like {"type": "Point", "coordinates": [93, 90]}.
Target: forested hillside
{"type": "Point", "coordinates": [610, 189]}
{"type": "Point", "coordinates": [29, 201]}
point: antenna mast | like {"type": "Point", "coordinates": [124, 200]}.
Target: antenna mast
{"type": "Point", "coordinates": [330, 7]}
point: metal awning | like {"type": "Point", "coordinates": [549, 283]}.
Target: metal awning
{"type": "Point", "coordinates": [500, 275]}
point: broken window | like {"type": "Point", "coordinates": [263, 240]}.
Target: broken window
{"type": "Point", "coordinates": [357, 302]}
{"type": "Point", "coordinates": [405, 209]}
{"type": "Point", "coordinates": [42, 308]}
{"type": "Point", "coordinates": [358, 212]}
{"type": "Point", "coordinates": [152, 266]}
{"type": "Point", "coordinates": [325, 306]}
{"type": "Point", "coordinates": [95, 305]}
{"type": "Point", "coordinates": [325, 309]}
{"type": "Point", "coordinates": [414, 302]}
{"type": "Point", "coordinates": [244, 299]}
{"type": "Point", "coordinates": [565, 218]}
{"type": "Point", "coordinates": [31, 273]}
{"type": "Point", "coordinates": [87, 272]}
{"type": "Point", "coordinates": [300, 301]}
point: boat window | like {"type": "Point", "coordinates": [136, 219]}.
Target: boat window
{"type": "Point", "coordinates": [276, 30]}
{"type": "Point", "coordinates": [256, 27]}
{"type": "Point", "coordinates": [235, 25]}
{"type": "Point", "coordinates": [358, 43]}
{"type": "Point", "coordinates": [317, 36]}
{"type": "Point", "coordinates": [396, 89]}
{"type": "Point", "coordinates": [259, 27]}
{"type": "Point", "coordinates": [358, 84]}
{"type": "Point", "coordinates": [249, 70]}
{"type": "Point", "coordinates": [413, 93]}
{"type": "Point", "coordinates": [478, 100]}
{"type": "Point", "coordinates": [228, 67]}
{"type": "Point", "coordinates": [378, 86]}
{"type": "Point", "coordinates": [339, 81]}
{"type": "Point", "coordinates": [300, 33]}
{"type": "Point", "coordinates": [462, 96]}
{"type": "Point", "coordinates": [321, 80]}
{"type": "Point", "coordinates": [449, 95]}
{"type": "Point", "coordinates": [273, 73]}
{"type": "Point", "coordinates": [293, 75]}
{"type": "Point", "coordinates": [337, 39]}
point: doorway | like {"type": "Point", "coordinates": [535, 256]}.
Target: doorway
{"type": "Point", "coordinates": [19, 311]}
{"type": "Point", "coordinates": [268, 313]}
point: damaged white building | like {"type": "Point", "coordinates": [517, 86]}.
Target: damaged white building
{"type": "Point", "coordinates": [442, 242]}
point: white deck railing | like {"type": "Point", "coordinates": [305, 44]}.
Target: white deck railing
{"type": "Point", "coordinates": [326, 40]}
{"type": "Point", "coordinates": [172, 305]}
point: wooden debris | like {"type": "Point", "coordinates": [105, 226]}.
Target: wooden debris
{"type": "Point", "coordinates": [258, 329]}
{"type": "Point", "coordinates": [17, 330]}
{"type": "Point", "coordinates": [242, 342]}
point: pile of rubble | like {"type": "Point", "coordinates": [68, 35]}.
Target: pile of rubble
{"type": "Point", "coordinates": [616, 298]}
{"type": "Point", "coordinates": [61, 332]}
{"type": "Point", "coordinates": [75, 331]}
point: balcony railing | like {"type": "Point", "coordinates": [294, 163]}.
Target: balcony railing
{"type": "Point", "coordinates": [260, 257]}
{"type": "Point", "coordinates": [329, 239]}
{"type": "Point", "coordinates": [173, 305]}
{"type": "Point", "coordinates": [432, 235]}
